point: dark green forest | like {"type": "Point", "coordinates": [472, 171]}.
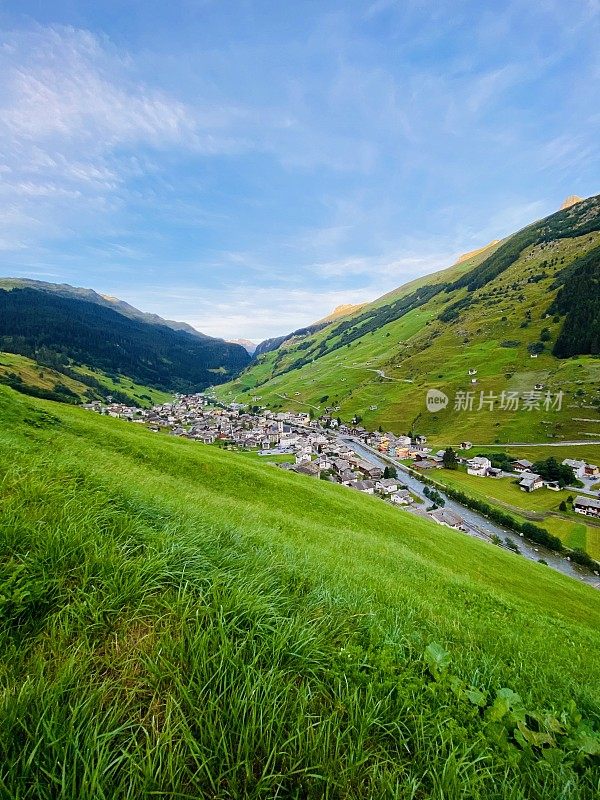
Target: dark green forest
{"type": "Point", "coordinates": [579, 300]}
{"type": "Point", "coordinates": [60, 330]}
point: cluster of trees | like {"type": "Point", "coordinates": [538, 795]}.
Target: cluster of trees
{"type": "Point", "coordinates": [60, 393]}
{"type": "Point", "coordinates": [579, 301]}
{"type": "Point", "coordinates": [450, 460]}
{"type": "Point", "coordinates": [435, 497]}
{"type": "Point", "coordinates": [551, 470]}
{"type": "Point", "coordinates": [51, 327]}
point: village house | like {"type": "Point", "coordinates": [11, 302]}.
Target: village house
{"type": "Point", "coordinates": [445, 517]}
{"type": "Point", "coordinates": [401, 497]}
{"type": "Point", "coordinates": [522, 465]}
{"type": "Point", "coordinates": [530, 482]}
{"type": "Point", "coordinates": [587, 505]}
{"type": "Point", "coordinates": [387, 485]}
{"type": "Point", "coordinates": [367, 487]}
{"type": "Point", "coordinates": [578, 467]}
{"type": "Point", "coordinates": [479, 465]}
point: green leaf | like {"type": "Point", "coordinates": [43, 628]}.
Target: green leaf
{"type": "Point", "coordinates": [477, 697]}
{"type": "Point", "coordinates": [437, 658]}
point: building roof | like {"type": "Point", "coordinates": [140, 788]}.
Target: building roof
{"type": "Point", "coordinates": [523, 462]}
{"type": "Point", "coordinates": [530, 479]}
{"type": "Point", "coordinates": [589, 502]}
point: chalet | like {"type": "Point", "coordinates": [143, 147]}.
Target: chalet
{"type": "Point", "coordinates": [522, 465]}
{"type": "Point", "coordinates": [401, 497]}
{"type": "Point", "coordinates": [348, 476]}
{"type": "Point", "coordinates": [387, 485]}
{"type": "Point", "coordinates": [554, 486]}
{"type": "Point", "coordinates": [478, 465]}
{"type": "Point", "coordinates": [368, 487]}
{"type": "Point", "coordinates": [425, 463]}
{"type": "Point", "coordinates": [587, 505]}
{"type": "Point", "coordinates": [445, 517]}
{"type": "Point", "coordinates": [372, 472]}
{"type": "Point", "coordinates": [530, 482]}
{"type": "Point", "coordinates": [310, 468]}
{"type": "Point", "coordinates": [340, 465]}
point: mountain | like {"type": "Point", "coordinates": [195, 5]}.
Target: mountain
{"type": "Point", "coordinates": [183, 621]}
{"type": "Point", "coordinates": [248, 346]}
{"type": "Point", "coordinates": [68, 333]}
{"type": "Point", "coordinates": [569, 201]}
{"type": "Point", "coordinates": [519, 314]}
{"type": "Point", "coordinates": [79, 293]}
{"type": "Point", "coordinates": [269, 345]}
{"type": "Point", "coordinates": [478, 251]}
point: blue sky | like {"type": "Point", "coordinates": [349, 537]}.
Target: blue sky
{"type": "Point", "coordinates": [247, 165]}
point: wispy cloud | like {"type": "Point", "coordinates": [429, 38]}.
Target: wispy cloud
{"type": "Point", "coordinates": [248, 176]}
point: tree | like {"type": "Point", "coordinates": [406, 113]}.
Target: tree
{"type": "Point", "coordinates": [390, 472]}
{"type": "Point", "coordinates": [450, 461]}
{"type": "Point", "coordinates": [562, 506]}
{"type": "Point", "coordinates": [551, 470]}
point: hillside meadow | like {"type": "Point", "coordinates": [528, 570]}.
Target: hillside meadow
{"type": "Point", "coordinates": [178, 621]}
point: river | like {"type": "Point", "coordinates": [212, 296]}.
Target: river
{"type": "Point", "coordinates": [479, 526]}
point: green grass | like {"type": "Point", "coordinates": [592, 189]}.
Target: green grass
{"type": "Point", "coordinates": [43, 377]}
{"type": "Point", "coordinates": [179, 621]}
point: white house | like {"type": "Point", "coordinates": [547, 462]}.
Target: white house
{"type": "Point", "coordinates": [478, 465]}
{"type": "Point", "coordinates": [388, 485]}
{"type": "Point", "coordinates": [578, 467]}
{"type": "Point", "coordinates": [530, 482]}
{"type": "Point", "coordinates": [401, 498]}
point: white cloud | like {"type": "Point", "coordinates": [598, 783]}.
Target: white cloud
{"type": "Point", "coordinates": [74, 121]}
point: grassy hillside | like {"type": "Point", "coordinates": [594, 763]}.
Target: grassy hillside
{"type": "Point", "coordinates": [73, 384]}
{"type": "Point", "coordinates": [180, 621]}
{"type": "Point", "coordinates": [490, 314]}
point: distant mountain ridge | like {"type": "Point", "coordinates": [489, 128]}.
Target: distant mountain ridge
{"type": "Point", "coordinates": [248, 345]}
{"type": "Point", "coordinates": [73, 331]}
{"type": "Point", "coordinates": [79, 293]}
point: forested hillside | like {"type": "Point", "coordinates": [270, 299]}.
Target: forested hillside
{"type": "Point", "coordinates": [61, 332]}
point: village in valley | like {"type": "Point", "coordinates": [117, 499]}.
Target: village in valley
{"type": "Point", "coordinates": [347, 454]}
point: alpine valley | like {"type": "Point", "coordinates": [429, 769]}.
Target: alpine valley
{"type": "Point", "coordinates": [519, 316]}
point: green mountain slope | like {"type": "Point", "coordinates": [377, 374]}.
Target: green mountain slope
{"type": "Point", "coordinates": [511, 313]}
{"type": "Point", "coordinates": [71, 336]}
{"type": "Point", "coordinates": [181, 621]}
{"type": "Point", "coordinates": [80, 293]}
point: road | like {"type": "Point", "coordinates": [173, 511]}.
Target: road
{"type": "Point", "coordinates": [479, 526]}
